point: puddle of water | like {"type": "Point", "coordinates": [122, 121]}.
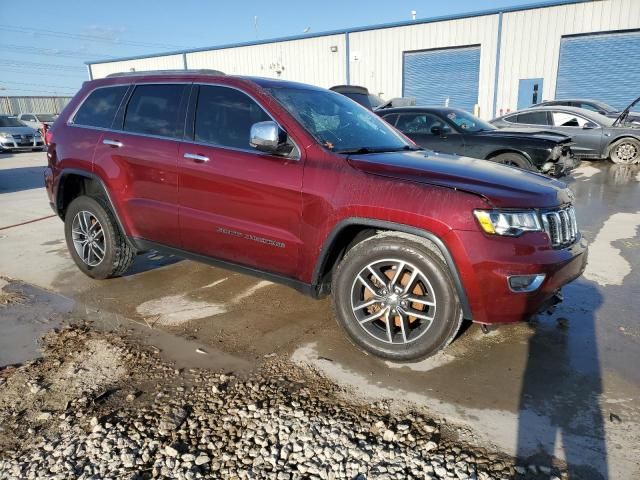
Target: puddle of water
{"type": "Point", "coordinates": [250, 291]}
{"type": "Point", "coordinates": [24, 322]}
{"type": "Point", "coordinates": [606, 264]}
{"type": "Point", "coordinates": [177, 309]}
{"type": "Point", "coordinates": [585, 172]}
{"type": "Point", "coordinates": [217, 282]}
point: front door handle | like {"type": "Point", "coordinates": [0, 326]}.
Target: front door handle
{"type": "Point", "coordinates": [113, 143]}
{"type": "Point", "coordinates": [195, 157]}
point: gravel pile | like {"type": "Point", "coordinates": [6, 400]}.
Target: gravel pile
{"type": "Point", "coordinates": [283, 422]}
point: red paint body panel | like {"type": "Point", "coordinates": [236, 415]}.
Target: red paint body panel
{"type": "Point", "coordinates": [277, 214]}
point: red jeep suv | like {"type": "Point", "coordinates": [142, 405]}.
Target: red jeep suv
{"type": "Point", "coordinates": [303, 186]}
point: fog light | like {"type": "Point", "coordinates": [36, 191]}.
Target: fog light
{"type": "Point", "coordinates": [525, 283]}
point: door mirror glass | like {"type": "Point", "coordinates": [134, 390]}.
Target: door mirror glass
{"type": "Point", "coordinates": [268, 137]}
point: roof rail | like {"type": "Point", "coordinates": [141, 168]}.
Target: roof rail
{"type": "Point", "coordinates": [204, 71]}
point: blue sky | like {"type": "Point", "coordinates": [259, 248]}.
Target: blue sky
{"type": "Point", "coordinates": [43, 51]}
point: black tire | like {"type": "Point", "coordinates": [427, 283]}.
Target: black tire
{"type": "Point", "coordinates": [118, 254]}
{"type": "Point", "coordinates": [515, 160]}
{"type": "Point", "coordinates": [625, 151]}
{"type": "Point", "coordinates": [406, 248]}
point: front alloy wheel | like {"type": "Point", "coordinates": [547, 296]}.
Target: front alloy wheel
{"type": "Point", "coordinates": [395, 297]}
{"type": "Point", "coordinates": [393, 301]}
{"type": "Point", "coordinates": [626, 151]}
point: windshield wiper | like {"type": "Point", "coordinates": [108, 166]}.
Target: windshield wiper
{"type": "Point", "coordinates": [365, 150]}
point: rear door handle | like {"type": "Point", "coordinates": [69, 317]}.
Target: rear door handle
{"type": "Point", "coordinates": [113, 143]}
{"type": "Point", "coordinates": [195, 157]}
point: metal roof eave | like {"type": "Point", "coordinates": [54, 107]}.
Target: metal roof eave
{"type": "Point", "coordinates": [380, 26]}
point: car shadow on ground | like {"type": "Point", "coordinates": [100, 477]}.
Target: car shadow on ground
{"type": "Point", "coordinates": [560, 408]}
{"type": "Point", "coordinates": [19, 179]}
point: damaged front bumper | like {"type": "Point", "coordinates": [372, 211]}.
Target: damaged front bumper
{"type": "Point", "coordinates": [562, 166]}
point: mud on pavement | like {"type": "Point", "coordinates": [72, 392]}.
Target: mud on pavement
{"type": "Point", "coordinates": [98, 405]}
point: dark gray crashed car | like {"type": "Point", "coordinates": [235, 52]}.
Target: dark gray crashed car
{"type": "Point", "coordinates": [594, 136]}
{"type": "Point", "coordinates": [588, 104]}
{"type": "Point", "coordinates": [451, 130]}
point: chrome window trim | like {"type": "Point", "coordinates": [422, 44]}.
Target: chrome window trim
{"type": "Point", "coordinates": [70, 123]}
{"type": "Point", "coordinates": [201, 84]}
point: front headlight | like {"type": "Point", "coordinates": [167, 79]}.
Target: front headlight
{"type": "Point", "coordinates": [5, 135]}
{"type": "Point", "coordinates": [556, 152]}
{"type": "Point", "coordinates": [508, 222]}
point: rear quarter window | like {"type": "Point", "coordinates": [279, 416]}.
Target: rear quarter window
{"type": "Point", "coordinates": [532, 118]}
{"type": "Point", "coordinates": [100, 107]}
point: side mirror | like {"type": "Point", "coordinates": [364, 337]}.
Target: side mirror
{"type": "Point", "coordinates": [589, 126]}
{"type": "Point", "coordinates": [268, 137]}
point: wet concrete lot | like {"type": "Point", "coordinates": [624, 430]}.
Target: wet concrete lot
{"type": "Point", "coordinates": [566, 384]}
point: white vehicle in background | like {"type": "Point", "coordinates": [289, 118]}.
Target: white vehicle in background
{"type": "Point", "coordinates": [16, 136]}
{"type": "Point", "coordinates": [38, 121]}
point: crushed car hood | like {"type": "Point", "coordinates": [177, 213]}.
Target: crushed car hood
{"type": "Point", "coordinates": [524, 132]}
{"type": "Point", "coordinates": [502, 186]}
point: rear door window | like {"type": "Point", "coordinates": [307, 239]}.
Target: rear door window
{"type": "Point", "coordinates": [563, 119]}
{"type": "Point", "coordinates": [533, 118]}
{"type": "Point", "coordinates": [224, 117]}
{"type": "Point", "coordinates": [100, 107]}
{"type": "Point", "coordinates": [154, 110]}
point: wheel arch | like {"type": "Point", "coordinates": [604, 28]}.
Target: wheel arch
{"type": "Point", "coordinates": [74, 182]}
{"type": "Point", "coordinates": [500, 151]}
{"type": "Point", "coordinates": [615, 140]}
{"type": "Point", "coordinates": [355, 229]}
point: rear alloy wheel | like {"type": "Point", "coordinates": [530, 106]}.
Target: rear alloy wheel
{"type": "Point", "coordinates": [514, 160]}
{"type": "Point", "coordinates": [94, 240]}
{"type": "Point", "coordinates": [395, 298]}
{"type": "Point", "coordinates": [625, 151]}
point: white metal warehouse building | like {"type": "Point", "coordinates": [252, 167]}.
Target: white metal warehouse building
{"type": "Point", "coordinates": [499, 60]}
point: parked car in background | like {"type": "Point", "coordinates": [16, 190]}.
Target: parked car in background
{"type": "Point", "coordinates": [38, 121]}
{"type": "Point", "coordinates": [360, 95]}
{"type": "Point", "coordinates": [592, 105]}
{"type": "Point", "coordinates": [16, 136]}
{"type": "Point", "coordinates": [305, 187]}
{"type": "Point", "coordinates": [370, 101]}
{"type": "Point", "coordinates": [451, 130]}
{"type": "Point", "coordinates": [594, 136]}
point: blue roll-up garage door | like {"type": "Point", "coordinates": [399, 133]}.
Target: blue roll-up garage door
{"type": "Point", "coordinates": [433, 76]}
{"type": "Point", "coordinates": [603, 67]}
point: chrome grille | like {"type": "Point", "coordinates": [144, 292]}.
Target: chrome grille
{"type": "Point", "coordinates": [561, 226]}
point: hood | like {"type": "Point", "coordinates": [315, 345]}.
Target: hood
{"type": "Point", "coordinates": [524, 132]}
{"type": "Point", "coordinates": [18, 130]}
{"type": "Point", "coordinates": [502, 186]}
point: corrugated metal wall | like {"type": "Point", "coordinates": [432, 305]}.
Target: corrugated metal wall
{"type": "Point", "coordinates": [443, 77]}
{"type": "Point", "coordinates": [18, 105]}
{"type": "Point", "coordinates": [167, 62]}
{"type": "Point", "coordinates": [376, 55]}
{"type": "Point", "coordinates": [585, 68]}
{"type": "Point", "coordinates": [531, 41]}
{"type": "Point", "coordinates": [529, 48]}
{"type": "Point", "coordinates": [311, 60]}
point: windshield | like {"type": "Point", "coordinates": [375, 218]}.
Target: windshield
{"type": "Point", "coordinates": [338, 123]}
{"type": "Point", "coordinates": [10, 122]}
{"type": "Point", "coordinates": [46, 117]}
{"type": "Point", "coordinates": [467, 122]}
